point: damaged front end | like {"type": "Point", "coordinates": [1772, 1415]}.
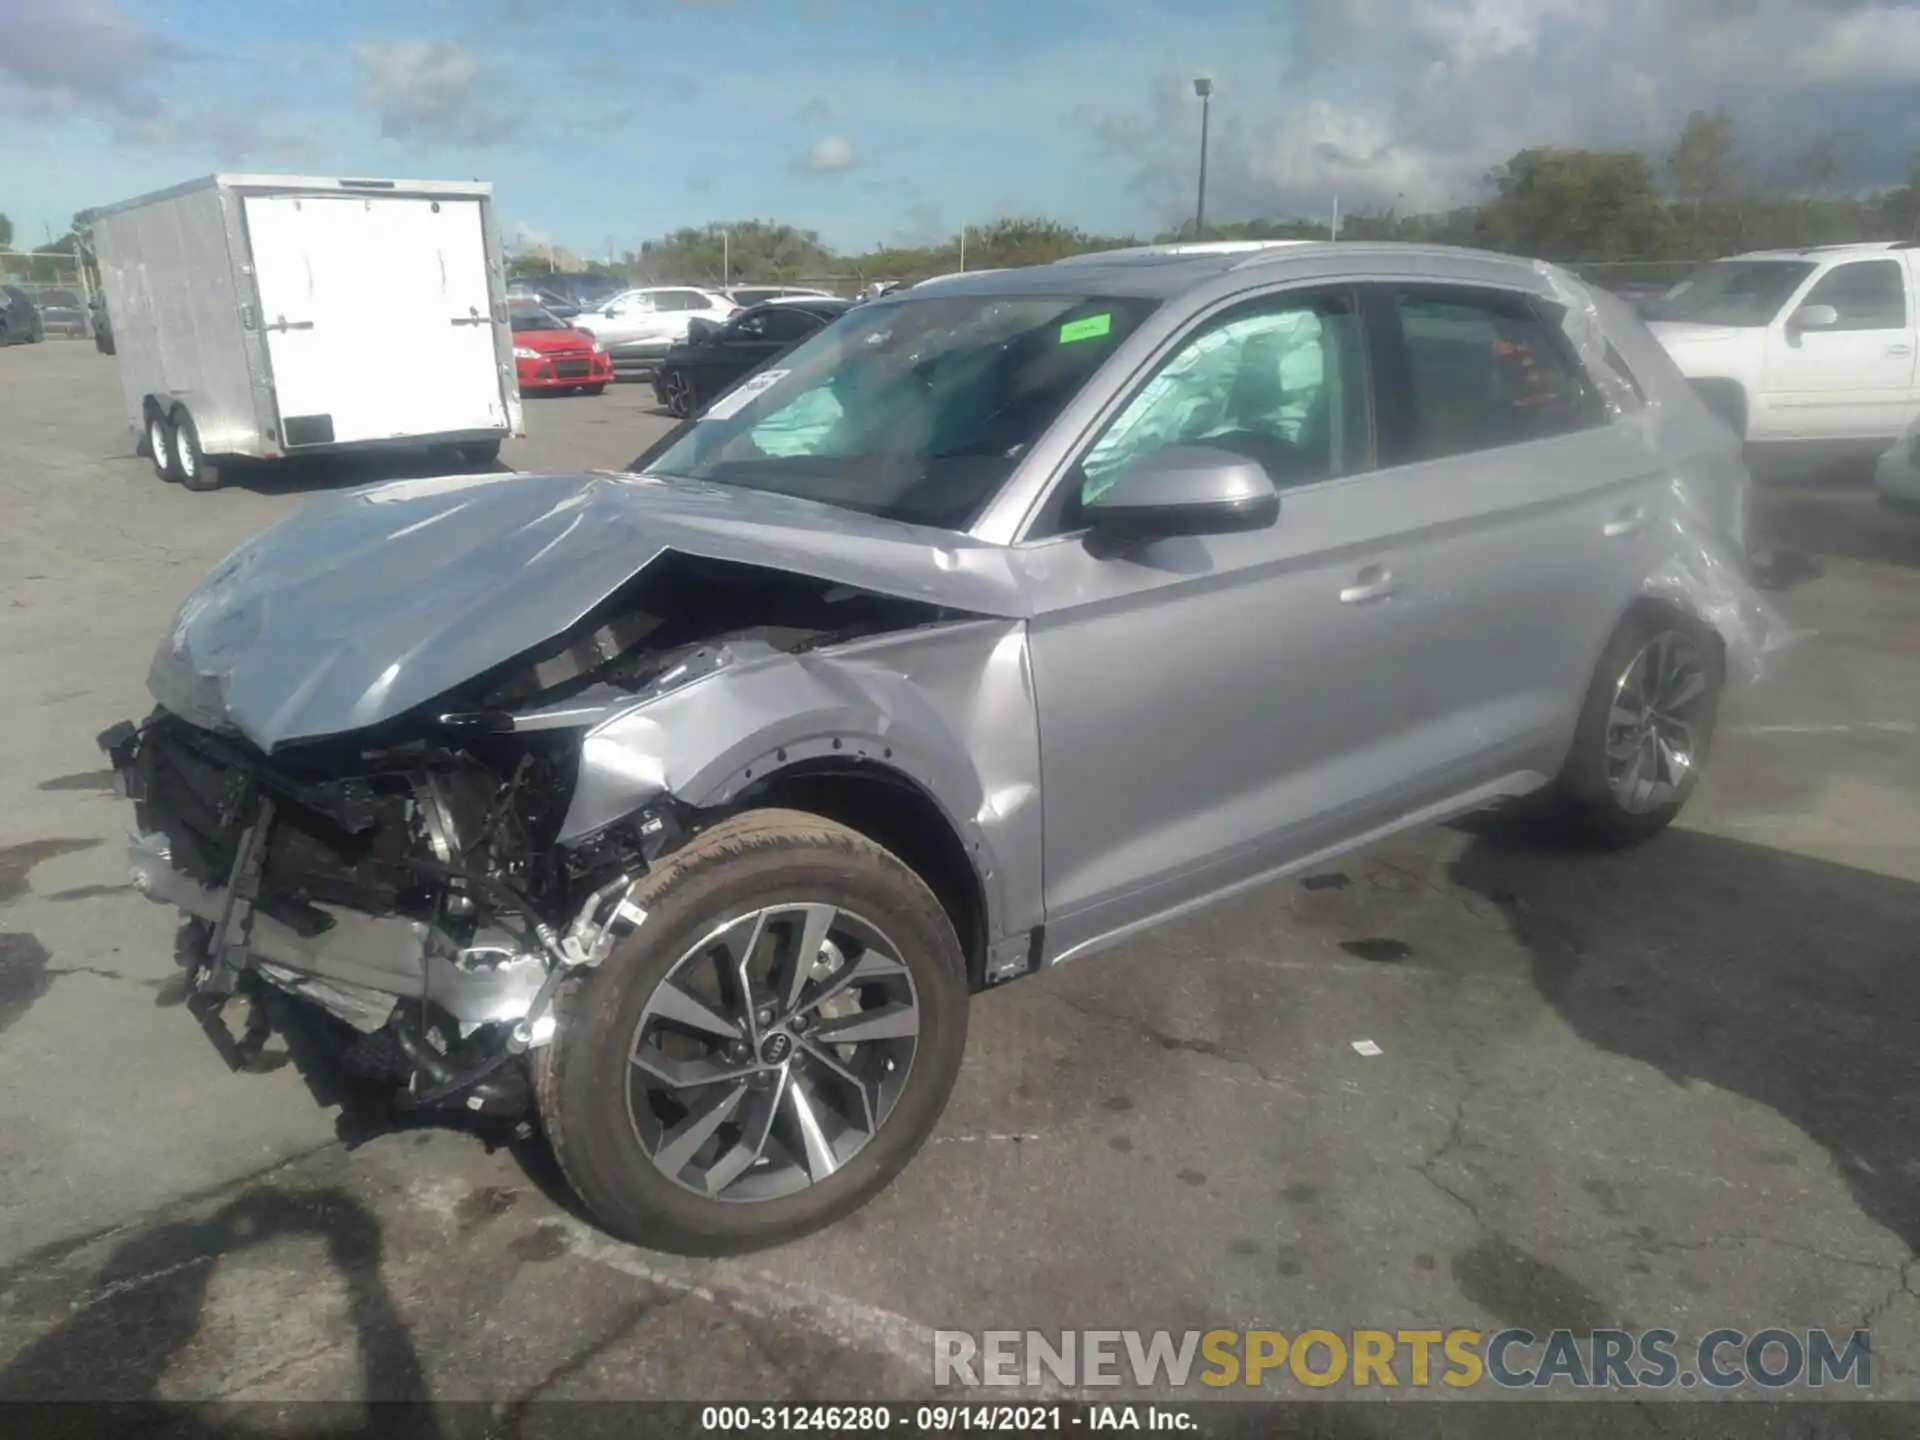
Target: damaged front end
{"type": "Point", "coordinates": [402, 903]}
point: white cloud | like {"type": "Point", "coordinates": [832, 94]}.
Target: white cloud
{"type": "Point", "coordinates": [87, 54]}
{"type": "Point", "coordinates": [1413, 101]}
{"type": "Point", "coordinates": [430, 90]}
{"type": "Point", "coordinates": [831, 155]}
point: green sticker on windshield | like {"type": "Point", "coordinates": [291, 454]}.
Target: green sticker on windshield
{"type": "Point", "coordinates": [1091, 328]}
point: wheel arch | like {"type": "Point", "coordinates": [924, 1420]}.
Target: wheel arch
{"type": "Point", "coordinates": [901, 816]}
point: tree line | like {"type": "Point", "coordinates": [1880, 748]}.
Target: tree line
{"type": "Point", "coordinates": [1607, 212]}
{"type": "Point", "coordinates": [1613, 212]}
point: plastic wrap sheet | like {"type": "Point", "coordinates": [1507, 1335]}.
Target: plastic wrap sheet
{"type": "Point", "coordinates": [1700, 575]}
{"type": "Point", "coordinates": [1589, 337]}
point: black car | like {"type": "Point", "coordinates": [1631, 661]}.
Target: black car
{"type": "Point", "coordinates": [714, 358]}
{"type": "Point", "coordinates": [576, 289]}
{"type": "Point", "coordinates": [20, 322]}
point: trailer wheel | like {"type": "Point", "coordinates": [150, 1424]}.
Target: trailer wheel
{"type": "Point", "coordinates": [189, 460]}
{"type": "Point", "coordinates": [160, 446]}
{"type": "Point", "coordinates": [478, 454]}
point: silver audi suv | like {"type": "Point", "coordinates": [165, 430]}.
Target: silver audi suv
{"type": "Point", "coordinates": [681, 811]}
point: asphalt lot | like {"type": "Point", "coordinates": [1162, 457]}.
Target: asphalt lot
{"type": "Point", "coordinates": [1676, 1087]}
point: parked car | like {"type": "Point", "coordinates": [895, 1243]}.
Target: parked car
{"type": "Point", "coordinates": [102, 323]}
{"type": "Point", "coordinates": [582, 289]}
{"type": "Point", "coordinates": [1814, 349]}
{"type": "Point", "coordinates": [549, 354]}
{"type": "Point", "coordinates": [684, 809]}
{"type": "Point", "coordinates": [1898, 474]}
{"type": "Point", "coordinates": [547, 300]}
{"type": "Point", "coordinates": [715, 358]}
{"type": "Point", "coordinates": [638, 327]}
{"type": "Point", "coordinates": [20, 322]}
{"type": "Point", "coordinates": [62, 312]}
{"type": "Point", "coordinates": [748, 295]}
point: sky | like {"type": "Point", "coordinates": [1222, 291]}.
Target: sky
{"type": "Point", "coordinates": [603, 122]}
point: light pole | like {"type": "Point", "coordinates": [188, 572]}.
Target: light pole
{"type": "Point", "coordinates": [1203, 87]}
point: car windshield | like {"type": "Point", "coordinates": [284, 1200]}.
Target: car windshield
{"type": "Point", "coordinates": [916, 410]}
{"type": "Point", "coordinates": [1732, 292]}
{"type": "Point", "coordinates": [529, 317]}
{"type": "Point", "coordinates": [65, 299]}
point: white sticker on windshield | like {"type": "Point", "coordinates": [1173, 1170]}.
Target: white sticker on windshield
{"type": "Point", "coordinates": [735, 400]}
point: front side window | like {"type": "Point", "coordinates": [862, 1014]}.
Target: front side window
{"type": "Point", "coordinates": [916, 410]}
{"type": "Point", "coordinates": [1869, 294]}
{"type": "Point", "coordinates": [1283, 383]}
{"type": "Point", "coordinates": [787, 323]}
{"type": "Point", "coordinates": [1744, 293]}
{"type": "Point", "coordinates": [1485, 371]}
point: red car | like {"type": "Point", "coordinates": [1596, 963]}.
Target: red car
{"type": "Point", "coordinates": [549, 354]}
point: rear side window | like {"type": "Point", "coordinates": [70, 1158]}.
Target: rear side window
{"type": "Point", "coordinates": [1485, 370]}
{"type": "Point", "coordinates": [1869, 294]}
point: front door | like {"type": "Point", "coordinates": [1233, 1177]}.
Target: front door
{"type": "Point", "coordinates": [1206, 701]}
{"type": "Point", "coordinates": [1852, 380]}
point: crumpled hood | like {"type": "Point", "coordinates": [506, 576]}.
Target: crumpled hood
{"type": "Point", "coordinates": [369, 602]}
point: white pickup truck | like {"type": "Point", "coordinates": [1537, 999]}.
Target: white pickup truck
{"type": "Point", "coordinates": [1803, 348]}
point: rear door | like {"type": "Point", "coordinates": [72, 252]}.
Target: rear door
{"type": "Point", "coordinates": [1530, 514]}
{"type": "Point", "coordinates": [1854, 379]}
{"type": "Point", "coordinates": [378, 316]}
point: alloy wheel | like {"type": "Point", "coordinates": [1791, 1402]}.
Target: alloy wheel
{"type": "Point", "coordinates": [1653, 730]}
{"type": "Point", "coordinates": [772, 1052]}
{"type": "Point", "coordinates": [679, 394]}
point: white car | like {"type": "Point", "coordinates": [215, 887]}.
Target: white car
{"type": "Point", "coordinates": [1898, 474]}
{"type": "Point", "coordinates": [1808, 347]}
{"type": "Point", "coordinates": [749, 295]}
{"type": "Point", "coordinates": [637, 327]}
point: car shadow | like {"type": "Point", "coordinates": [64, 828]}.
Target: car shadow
{"type": "Point", "coordinates": [340, 472]}
{"type": "Point", "coordinates": [1782, 978]}
{"type": "Point", "coordinates": [1806, 514]}
{"type": "Point", "coordinates": [147, 1305]}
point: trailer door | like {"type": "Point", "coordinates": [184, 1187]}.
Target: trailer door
{"type": "Point", "coordinates": [377, 313]}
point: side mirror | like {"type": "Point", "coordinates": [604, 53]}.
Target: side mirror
{"type": "Point", "coordinates": [1185, 490]}
{"type": "Point", "coordinates": [1814, 317]}
{"type": "Point", "coordinates": [699, 329]}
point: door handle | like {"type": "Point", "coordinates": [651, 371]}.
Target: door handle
{"type": "Point", "coordinates": [1899, 349]}
{"type": "Point", "coordinates": [1629, 520]}
{"type": "Point", "coordinates": [1374, 582]}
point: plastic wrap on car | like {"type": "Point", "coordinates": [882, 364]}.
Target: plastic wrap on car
{"type": "Point", "coordinates": [1703, 577]}
{"type": "Point", "coordinates": [1581, 323]}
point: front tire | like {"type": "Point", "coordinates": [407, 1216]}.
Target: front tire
{"type": "Point", "coordinates": [700, 1115]}
{"type": "Point", "coordinates": [599, 389]}
{"type": "Point", "coordinates": [1644, 730]}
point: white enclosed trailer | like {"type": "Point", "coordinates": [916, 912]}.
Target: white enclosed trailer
{"type": "Point", "coordinates": [260, 317]}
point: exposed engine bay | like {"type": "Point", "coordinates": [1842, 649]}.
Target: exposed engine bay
{"type": "Point", "coordinates": [402, 902]}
